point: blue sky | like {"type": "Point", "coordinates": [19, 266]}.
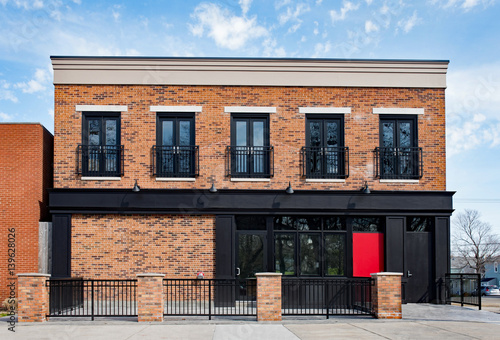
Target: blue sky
{"type": "Point", "coordinates": [466, 32]}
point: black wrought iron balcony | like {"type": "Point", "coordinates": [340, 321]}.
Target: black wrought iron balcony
{"type": "Point", "coordinates": [325, 162]}
{"type": "Point", "coordinates": [399, 163]}
{"type": "Point", "coordinates": [100, 160]}
{"type": "Point", "coordinates": [175, 161]}
{"type": "Point", "coordinates": [250, 161]}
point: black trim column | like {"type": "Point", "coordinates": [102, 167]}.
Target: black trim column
{"type": "Point", "coordinates": [224, 247]}
{"type": "Point", "coordinates": [61, 245]}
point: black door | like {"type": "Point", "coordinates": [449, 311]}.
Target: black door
{"type": "Point", "coordinates": [324, 155]}
{"type": "Point", "coordinates": [419, 261]}
{"type": "Point", "coordinates": [252, 255]}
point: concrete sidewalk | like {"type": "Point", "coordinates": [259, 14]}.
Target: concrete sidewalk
{"type": "Point", "coordinates": [420, 321]}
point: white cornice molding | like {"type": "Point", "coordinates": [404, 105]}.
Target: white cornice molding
{"type": "Point", "coordinates": [249, 109]}
{"type": "Point", "coordinates": [175, 108]}
{"type": "Point", "coordinates": [101, 108]}
{"type": "Point", "coordinates": [398, 111]}
{"type": "Point", "coordinates": [325, 110]}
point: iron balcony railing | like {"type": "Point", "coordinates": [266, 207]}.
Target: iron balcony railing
{"type": "Point", "coordinates": [250, 161]}
{"type": "Point", "coordinates": [175, 161]}
{"type": "Point", "coordinates": [399, 163]}
{"type": "Point", "coordinates": [325, 162]}
{"type": "Point", "coordinates": [100, 160]}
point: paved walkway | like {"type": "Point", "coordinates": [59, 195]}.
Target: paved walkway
{"type": "Point", "coordinates": [420, 321]}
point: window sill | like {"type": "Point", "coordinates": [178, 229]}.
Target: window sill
{"type": "Point", "coordinates": [325, 180]}
{"type": "Point", "coordinates": [409, 181]}
{"type": "Point", "coordinates": [175, 179]}
{"type": "Point", "coordinates": [250, 180]}
{"type": "Point", "coordinates": [84, 178]}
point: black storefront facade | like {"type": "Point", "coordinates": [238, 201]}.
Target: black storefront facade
{"type": "Point", "coordinates": [302, 234]}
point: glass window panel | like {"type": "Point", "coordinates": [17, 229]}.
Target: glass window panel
{"type": "Point", "coordinates": [404, 134]}
{"type": "Point", "coordinates": [309, 254]}
{"type": "Point", "coordinates": [111, 132]}
{"type": "Point", "coordinates": [419, 224]}
{"type": "Point", "coordinates": [184, 133]}
{"type": "Point", "coordinates": [388, 134]}
{"type": "Point", "coordinates": [284, 223]}
{"type": "Point", "coordinates": [258, 133]}
{"type": "Point", "coordinates": [94, 130]}
{"type": "Point", "coordinates": [308, 223]}
{"type": "Point", "coordinates": [168, 133]}
{"type": "Point", "coordinates": [314, 134]}
{"type": "Point", "coordinates": [284, 250]}
{"type": "Point", "coordinates": [335, 254]}
{"type": "Point", "coordinates": [241, 133]}
{"type": "Point", "coordinates": [250, 255]}
{"type": "Point", "coordinates": [367, 224]}
{"type": "Point", "coordinates": [250, 222]}
{"type": "Point", "coordinates": [332, 134]}
{"type": "Point", "coordinates": [335, 223]}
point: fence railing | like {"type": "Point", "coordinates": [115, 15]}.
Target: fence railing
{"type": "Point", "coordinates": [463, 288]}
{"type": "Point", "coordinates": [326, 162]}
{"type": "Point", "coordinates": [92, 298]}
{"type": "Point", "coordinates": [326, 296]}
{"type": "Point", "coordinates": [250, 161]}
{"type": "Point", "coordinates": [210, 297]}
{"type": "Point", "coordinates": [399, 163]}
{"type": "Point", "coordinates": [175, 161]}
{"type": "Point", "coordinates": [100, 160]}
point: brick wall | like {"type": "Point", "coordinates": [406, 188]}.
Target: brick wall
{"type": "Point", "coordinates": [386, 295]}
{"type": "Point", "coordinates": [150, 297]}
{"type": "Point", "coordinates": [26, 152]}
{"type": "Point", "coordinates": [33, 297]}
{"type": "Point", "coordinates": [287, 132]}
{"type": "Point", "coordinates": [268, 296]}
{"type": "Point", "coordinates": [121, 246]}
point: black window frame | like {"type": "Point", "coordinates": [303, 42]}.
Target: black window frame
{"type": "Point", "coordinates": [188, 155]}
{"type": "Point", "coordinates": [102, 153]}
{"type": "Point", "coordinates": [235, 152]}
{"type": "Point", "coordinates": [341, 154]}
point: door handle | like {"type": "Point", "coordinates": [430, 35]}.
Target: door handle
{"type": "Point", "coordinates": [409, 274]}
{"type": "Point", "coordinates": [237, 271]}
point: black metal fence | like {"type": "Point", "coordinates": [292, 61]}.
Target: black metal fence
{"type": "Point", "coordinates": [250, 161]}
{"type": "Point", "coordinates": [399, 163]}
{"type": "Point", "coordinates": [100, 160]}
{"type": "Point", "coordinates": [176, 161]}
{"type": "Point", "coordinates": [464, 289]}
{"type": "Point", "coordinates": [210, 297]}
{"type": "Point", "coordinates": [326, 296]}
{"type": "Point", "coordinates": [325, 162]}
{"type": "Point", "coordinates": [92, 298]}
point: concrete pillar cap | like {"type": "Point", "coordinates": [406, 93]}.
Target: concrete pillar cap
{"type": "Point", "coordinates": [268, 274]}
{"type": "Point", "coordinates": [33, 275]}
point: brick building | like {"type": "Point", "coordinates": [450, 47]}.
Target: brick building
{"type": "Point", "coordinates": [308, 167]}
{"type": "Point", "coordinates": [26, 151]}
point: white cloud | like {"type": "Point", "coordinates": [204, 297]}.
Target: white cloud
{"type": "Point", "coordinates": [37, 84]}
{"type": "Point", "coordinates": [370, 27]}
{"type": "Point", "coordinates": [318, 2]}
{"type": "Point", "coordinates": [6, 117]}
{"type": "Point", "coordinates": [227, 30]}
{"type": "Point", "coordinates": [245, 5]}
{"type": "Point", "coordinates": [321, 50]}
{"type": "Point", "coordinates": [368, 2]}
{"type": "Point", "coordinates": [316, 30]}
{"type": "Point", "coordinates": [466, 5]}
{"type": "Point", "coordinates": [6, 93]}
{"type": "Point", "coordinates": [51, 112]}
{"type": "Point", "coordinates": [271, 49]}
{"type": "Point", "coordinates": [407, 24]}
{"type": "Point", "coordinates": [26, 4]}
{"type": "Point", "coordinates": [292, 14]}
{"type": "Point", "coordinates": [347, 6]}
{"type": "Point", "coordinates": [281, 3]}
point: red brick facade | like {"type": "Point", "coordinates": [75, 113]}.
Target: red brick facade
{"type": "Point", "coordinates": [121, 246]}
{"type": "Point", "coordinates": [150, 297]}
{"type": "Point", "coordinates": [26, 152]}
{"type": "Point", "coordinates": [33, 297]}
{"type": "Point", "coordinates": [287, 132]}
{"type": "Point", "coordinates": [269, 297]}
{"type": "Point", "coordinates": [386, 295]}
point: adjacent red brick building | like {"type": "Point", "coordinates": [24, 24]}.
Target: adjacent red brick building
{"type": "Point", "coordinates": [26, 151]}
{"type": "Point", "coordinates": [308, 167]}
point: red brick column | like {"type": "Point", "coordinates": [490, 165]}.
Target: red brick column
{"type": "Point", "coordinates": [268, 296]}
{"type": "Point", "coordinates": [33, 297]}
{"type": "Point", "coordinates": [386, 295]}
{"type": "Point", "coordinates": [150, 297]}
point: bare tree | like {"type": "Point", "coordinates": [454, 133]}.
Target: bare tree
{"type": "Point", "coordinates": [473, 240]}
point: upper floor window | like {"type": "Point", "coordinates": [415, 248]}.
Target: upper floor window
{"type": "Point", "coordinates": [250, 155]}
{"type": "Point", "coordinates": [175, 152]}
{"type": "Point", "coordinates": [324, 155]}
{"type": "Point", "coordinates": [399, 156]}
{"type": "Point", "coordinates": [100, 153]}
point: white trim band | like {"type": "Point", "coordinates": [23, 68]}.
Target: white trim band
{"type": "Point", "coordinates": [101, 108]}
{"type": "Point", "coordinates": [325, 110]}
{"type": "Point", "coordinates": [250, 180]}
{"type": "Point", "coordinates": [175, 179]}
{"type": "Point", "coordinates": [409, 181]}
{"type": "Point", "coordinates": [325, 180]}
{"type": "Point", "coordinates": [175, 108]}
{"type": "Point", "coordinates": [101, 178]}
{"type": "Point", "coordinates": [397, 111]}
{"type": "Point", "coordinates": [249, 109]}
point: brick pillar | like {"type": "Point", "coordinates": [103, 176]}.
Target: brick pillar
{"type": "Point", "coordinates": [33, 297]}
{"type": "Point", "coordinates": [268, 296]}
{"type": "Point", "coordinates": [386, 295]}
{"type": "Point", "coordinates": [150, 297]}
